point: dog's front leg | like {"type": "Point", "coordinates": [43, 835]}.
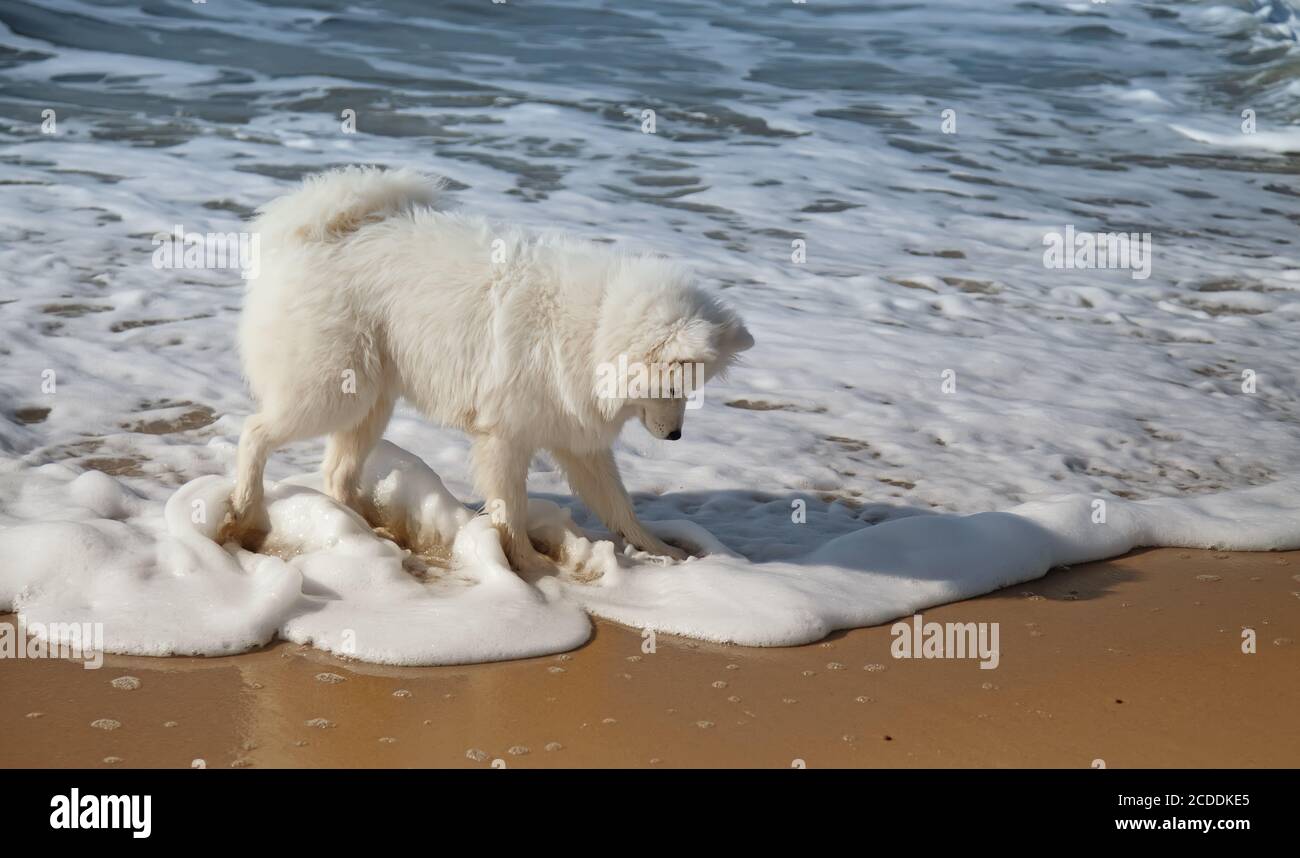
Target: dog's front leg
{"type": "Point", "coordinates": [594, 476]}
{"type": "Point", "coordinates": [501, 473]}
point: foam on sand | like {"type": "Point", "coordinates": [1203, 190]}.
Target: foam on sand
{"type": "Point", "coordinates": [154, 577]}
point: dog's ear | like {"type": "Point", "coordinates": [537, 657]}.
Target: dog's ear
{"type": "Point", "coordinates": [695, 342]}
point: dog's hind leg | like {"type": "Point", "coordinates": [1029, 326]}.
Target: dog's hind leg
{"type": "Point", "coordinates": [594, 476]}
{"type": "Point", "coordinates": [501, 474]}
{"type": "Point", "coordinates": [346, 452]}
{"type": "Point", "coordinates": [248, 524]}
{"type": "Point", "coordinates": [311, 413]}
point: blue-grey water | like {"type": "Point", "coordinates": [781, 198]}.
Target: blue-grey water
{"type": "Point", "coordinates": [916, 152]}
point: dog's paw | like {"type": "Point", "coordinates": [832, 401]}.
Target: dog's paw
{"type": "Point", "coordinates": [531, 564]}
{"type": "Point", "coordinates": [662, 549]}
{"type": "Point", "coordinates": [676, 553]}
{"type": "Point", "coordinates": [250, 531]}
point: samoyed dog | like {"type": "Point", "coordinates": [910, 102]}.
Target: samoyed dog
{"type": "Point", "coordinates": [369, 290]}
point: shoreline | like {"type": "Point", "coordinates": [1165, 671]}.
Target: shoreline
{"type": "Point", "coordinates": [1135, 661]}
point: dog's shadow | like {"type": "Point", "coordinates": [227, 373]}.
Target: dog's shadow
{"type": "Point", "coordinates": [759, 526]}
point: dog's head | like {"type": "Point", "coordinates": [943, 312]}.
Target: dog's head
{"type": "Point", "coordinates": [660, 339]}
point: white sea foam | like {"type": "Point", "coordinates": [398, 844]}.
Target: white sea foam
{"type": "Point", "coordinates": [334, 583]}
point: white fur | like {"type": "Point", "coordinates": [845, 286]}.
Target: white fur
{"type": "Point", "coordinates": [487, 328]}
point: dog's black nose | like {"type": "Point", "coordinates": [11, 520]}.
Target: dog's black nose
{"type": "Point", "coordinates": [674, 435]}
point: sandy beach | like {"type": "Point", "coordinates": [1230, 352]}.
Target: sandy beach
{"type": "Point", "coordinates": [1135, 661]}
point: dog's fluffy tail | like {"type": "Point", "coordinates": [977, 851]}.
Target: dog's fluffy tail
{"type": "Point", "coordinates": [332, 205]}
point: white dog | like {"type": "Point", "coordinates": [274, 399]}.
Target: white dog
{"type": "Point", "coordinates": [369, 291]}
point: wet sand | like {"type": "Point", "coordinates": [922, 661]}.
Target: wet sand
{"type": "Point", "coordinates": [1135, 661]}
